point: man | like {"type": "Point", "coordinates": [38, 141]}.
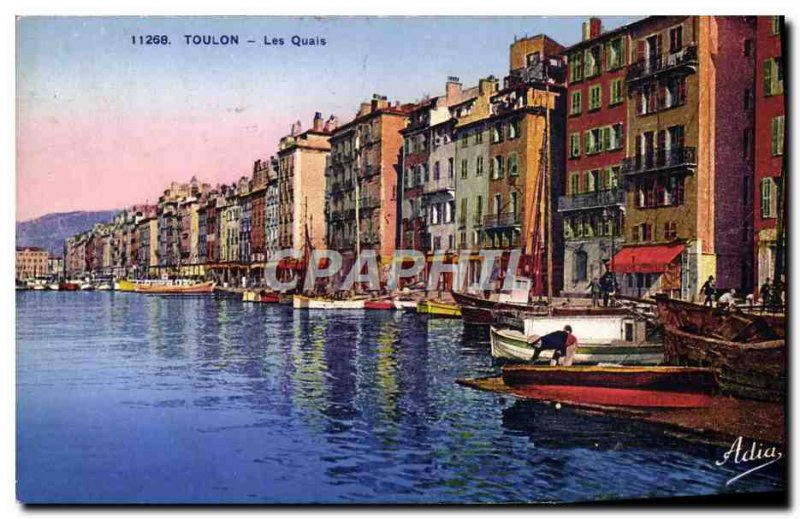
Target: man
{"type": "Point", "coordinates": [708, 290]}
{"type": "Point", "coordinates": [594, 290]}
{"type": "Point", "coordinates": [608, 285]}
{"type": "Point", "coordinates": [563, 344]}
{"type": "Point", "coordinates": [765, 294]}
{"type": "Point", "coordinates": [727, 300]}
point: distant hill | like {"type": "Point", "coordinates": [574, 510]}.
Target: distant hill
{"type": "Point", "coordinates": [50, 231]}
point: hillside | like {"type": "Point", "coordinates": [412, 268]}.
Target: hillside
{"type": "Point", "coordinates": [50, 230]}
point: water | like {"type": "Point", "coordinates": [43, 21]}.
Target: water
{"type": "Point", "coordinates": [123, 397]}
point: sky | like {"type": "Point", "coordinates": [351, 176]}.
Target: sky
{"type": "Point", "coordinates": [104, 124]}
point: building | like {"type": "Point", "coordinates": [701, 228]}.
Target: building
{"type": "Point", "coordinates": [55, 266]}
{"type": "Point", "coordinates": [472, 116]}
{"type": "Point", "coordinates": [258, 230]}
{"type": "Point", "coordinates": [770, 110]}
{"type": "Point", "coordinates": [592, 201]}
{"type": "Point", "coordinates": [271, 211]}
{"type": "Point", "coordinates": [31, 262]}
{"type": "Point", "coordinates": [687, 155]}
{"type": "Point", "coordinates": [526, 161]}
{"type": "Point", "coordinates": [362, 185]}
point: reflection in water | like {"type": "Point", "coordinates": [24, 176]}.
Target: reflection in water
{"type": "Point", "coordinates": [157, 399]}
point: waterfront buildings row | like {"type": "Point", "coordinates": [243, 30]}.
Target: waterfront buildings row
{"type": "Point", "coordinates": [654, 150]}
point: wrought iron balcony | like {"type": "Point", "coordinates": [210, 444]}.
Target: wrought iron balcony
{"type": "Point", "coordinates": [660, 160]}
{"type": "Point", "coordinates": [496, 221]}
{"type": "Point", "coordinates": [651, 65]}
{"type": "Point", "coordinates": [592, 200]}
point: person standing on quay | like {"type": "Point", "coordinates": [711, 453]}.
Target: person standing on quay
{"type": "Point", "coordinates": [608, 285]}
{"type": "Point", "coordinates": [594, 290]}
{"type": "Point", "coordinates": [708, 290]}
{"type": "Point", "coordinates": [765, 294]}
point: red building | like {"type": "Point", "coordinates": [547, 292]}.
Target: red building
{"type": "Point", "coordinates": [592, 202]}
{"type": "Point", "coordinates": [770, 112]}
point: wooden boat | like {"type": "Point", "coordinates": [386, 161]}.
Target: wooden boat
{"type": "Point", "coordinates": [671, 378]}
{"type": "Point", "coordinates": [177, 289]}
{"type": "Point", "coordinates": [617, 397]}
{"type": "Point", "coordinates": [103, 286]}
{"type": "Point", "coordinates": [87, 286]}
{"type": "Point", "coordinates": [260, 296]}
{"type": "Point", "coordinates": [69, 286]}
{"type": "Point", "coordinates": [408, 305]}
{"type": "Point", "coordinates": [314, 303]}
{"type": "Point", "coordinates": [125, 285]}
{"type": "Point", "coordinates": [435, 308]}
{"type": "Point", "coordinates": [509, 344]}
{"type": "Point", "coordinates": [749, 353]}
{"type": "Point", "coordinates": [379, 304]}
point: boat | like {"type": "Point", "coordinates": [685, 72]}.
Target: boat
{"type": "Point", "coordinates": [86, 286]}
{"type": "Point", "coordinates": [104, 286]}
{"type": "Point", "coordinates": [125, 285]}
{"type": "Point", "coordinates": [53, 286]}
{"type": "Point", "coordinates": [69, 286]}
{"type": "Point", "coordinates": [260, 296]}
{"type": "Point", "coordinates": [318, 303]}
{"type": "Point", "coordinates": [39, 286]}
{"type": "Point", "coordinates": [379, 304]}
{"type": "Point", "coordinates": [176, 289]}
{"type": "Point", "coordinates": [405, 303]}
{"type": "Point", "coordinates": [510, 344]}
{"type": "Point", "coordinates": [436, 308]}
{"type": "Point", "coordinates": [748, 351]}
{"type": "Point", "coordinates": [668, 378]}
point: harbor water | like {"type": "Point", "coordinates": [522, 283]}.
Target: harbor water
{"type": "Point", "coordinates": [125, 397]}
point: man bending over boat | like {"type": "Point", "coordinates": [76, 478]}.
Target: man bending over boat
{"type": "Point", "coordinates": [563, 344]}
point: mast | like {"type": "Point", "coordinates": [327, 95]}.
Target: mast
{"type": "Point", "coordinates": [547, 186]}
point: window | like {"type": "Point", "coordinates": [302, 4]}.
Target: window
{"type": "Point", "coordinates": [497, 133]}
{"type": "Point", "coordinates": [747, 139]}
{"type": "Point", "coordinates": [498, 203]}
{"type": "Point", "coordinates": [592, 141]}
{"type": "Point", "coordinates": [513, 129]}
{"type": "Point", "coordinates": [574, 145]}
{"type": "Point", "coordinates": [513, 203]}
{"type": "Point", "coordinates": [769, 205]}
{"type": "Point", "coordinates": [464, 166]}
{"type": "Point", "coordinates": [676, 39]}
{"type": "Point", "coordinates": [478, 208]}
{"type": "Point", "coordinates": [615, 137]}
{"type": "Point", "coordinates": [616, 92]}
{"type": "Point", "coordinates": [776, 25]}
{"type": "Point", "coordinates": [574, 183]}
{"type": "Point", "coordinates": [777, 135]}
{"type": "Point", "coordinates": [479, 167]}
{"type": "Point", "coordinates": [478, 137]}
{"type": "Point", "coordinates": [426, 172]}
{"type": "Point", "coordinates": [450, 167]}
{"type": "Point", "coordinates": [746, 97]}
{"type": "Point", "coordinates": [595, 97]}
{"type": "Point", "coordinates": [773, 76]}
{"type": "Point", "coordinates": [497, 166]}
{"type": "Point", "coordinates": [615, 53]}
{"type": "Point", "coordinates": [581, 264]}
{"type": "Point", "coordinates": [512, 165]}
{"type": "Point", "coordinates": [575, 67]}
{"type": "Point", "coordinates": [575, 102]}
{"type": "Point", "coordinates": [590, 181]}
{"type": "Point", "coordinates": [465, 140]}
{"type": "Point", "coordinates": [747, 47]}
{"type": "Point", "coordinates": [612, 177]}
{"type": "Point", "coordinates": [674, 93]}
{"type": "Point", "coordinates": [670, 231]}
{"type": "Point", "coordinates": [436, 172]}
{"type": "Point", "coordinates": [591, 63]}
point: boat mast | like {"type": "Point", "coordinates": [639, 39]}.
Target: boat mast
{"type": "Point", "coordinates": [547, 186]}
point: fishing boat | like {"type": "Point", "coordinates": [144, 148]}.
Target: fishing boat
{"type": "Point", "coordinates": [176, 288]}
{"type": "Point", "coordinates": [404, 304]}
{"type": "Point", "coordinates": [87, 286]}
{"type": "Point", "coordinates": [379, 304]}
{"type": "Point", "coordinates": [69, 286]}
{"type": "Point", "coordinates": [671, 378]}
{"type": "Point", "coordinates": [436, 308]}
{"type": "Point", "coordinates": [104, 286]}
{"type": "Point", "coordinates": [53, 286]}
{"type": "Point", "coordinates": [510, 344]}
{"type": "Point", "coordinates": [318, 303]}
{"type": "Point", "coordinates": [125, 285]}
{"type": "Point", "coordinates": [260, 296]}
{"type": "Point", "coordinates": [748, 351]}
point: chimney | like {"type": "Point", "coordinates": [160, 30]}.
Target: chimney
{"type": "Point", "coordinates": [317, 126]}
{"type": "Point", "coordinates": [592, 29]}
{"type": "Point", "coordinates": [363, 109]}
{"type": "Point", "coordinates": [452, 90]}
{"type": "Point", "coordinates": [331, 124]}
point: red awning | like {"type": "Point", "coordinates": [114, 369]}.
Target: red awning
{"type": "Point", "coordinates": [646, 258]}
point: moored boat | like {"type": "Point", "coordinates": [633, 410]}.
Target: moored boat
{"type": "Point", "coordinates": [260, 296]}
{"type": "Point", "coordinates": [53, 286]}
{"type": "Point", "coordinates": [87, 286]}
{"type": "Point", "coordinates": [378, 304]}
{"type": "Point", "coordinates": [125, 285]}
{"type": "Point", "coordinates": [405, 304]}
{"type": "Point", "coordinates": [668, 378]}
{"type": "Point", "coordinates": [177, 289]}
{"type": "Point", "coordinates": [315, 303]}
{"type": "Point", "coordinates": [509, 344]}
{"type": "Point", "coordinates": [69, 286]}
{"type": "Point", "coordinates": [104, 286]}
{"type": "Point", "coordinates": [436, 308]}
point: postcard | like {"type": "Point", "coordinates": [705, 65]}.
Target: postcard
{"type": "Point", "coordinates": [401, 260]}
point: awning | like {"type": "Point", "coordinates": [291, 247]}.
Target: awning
{"type": "Point", "coordinates": [646, 258]}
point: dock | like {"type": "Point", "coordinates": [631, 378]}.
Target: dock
{"type": "Point", "coordinates": [724, 421]}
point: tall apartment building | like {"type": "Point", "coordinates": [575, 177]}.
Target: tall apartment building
{"type": "Point", "coordinates": [302, 159]}
{"type": "Point", "coordinates": [593, 200]}
{"type": "Point", "coordinates": [770, 110]}
{"type": "Point", "coordinates": [362, 181]}
{"type": "Point", "coordinates": [687, 166]}
{"type": "Point", "coordinates": [31, 262]}
{"type": "Point", "coordinates": [526, 160]}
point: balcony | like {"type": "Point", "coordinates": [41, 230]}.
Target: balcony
{"type": "Point", "coordinates": [502, 220]}
{"type": "Point", "coordinates": [659, 160]}
{"type": "Point", "coordinates": [685, 59]}
{"type": "Point", "coordinates": [593, 200]}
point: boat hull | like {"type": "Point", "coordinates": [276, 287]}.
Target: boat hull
{"type": "Point", "coordinates": [616, 397]}
{"type": "Point", "coordinates": [124, 285]}
{"type": "Point", "coordinates": [251, 296]}
{"type": "Point", "coordinates": [303, 302]}
{"type": "Point", "coordinates": [408, 306]}
{"type": "Point", "coordinates": [512, 345]}
{"type": "Point", "coordinates": [199, 288]}
{"type": "Point", "coordinates": [383, 304]}
{"type": "Point", "coordinates": [438, 309]}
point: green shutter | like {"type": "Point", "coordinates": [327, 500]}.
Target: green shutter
{"type": "Point", "coordinates": [606, 137]}
{"type": "Point", "coordinates": [587, 142]}
{"type": "Point", "coordinates": [768, 77]}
